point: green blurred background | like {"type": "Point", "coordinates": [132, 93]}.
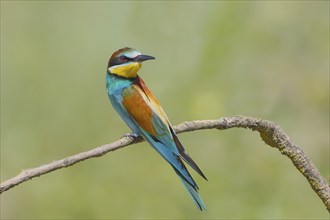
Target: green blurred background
{"type": "Point", "coordinates": [267, 59]}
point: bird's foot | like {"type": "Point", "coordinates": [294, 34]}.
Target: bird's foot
{"type": "Point", "coordinates": [130, 135]}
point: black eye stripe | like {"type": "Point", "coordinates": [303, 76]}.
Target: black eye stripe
{"type": "Point", "coordinates": [119, 60]}
{"type": "Point", "coordinates": [123, 59]}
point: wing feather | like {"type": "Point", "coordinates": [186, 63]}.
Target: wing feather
{"type": "Point", "coordinates": [145, 109]}
{"type": "Point", "coordinates": [135, 104]}
{"type": "Point", "coordinates": [185, 155]}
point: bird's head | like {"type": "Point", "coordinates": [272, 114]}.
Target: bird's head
{"type": "Point", "coordinates": [126, 62]}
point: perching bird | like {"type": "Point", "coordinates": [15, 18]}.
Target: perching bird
{"type": "Point", "coordinates": [141, 111]}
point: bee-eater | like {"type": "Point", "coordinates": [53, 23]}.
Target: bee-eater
{"type": "Point", "coordinates": [141, 111]}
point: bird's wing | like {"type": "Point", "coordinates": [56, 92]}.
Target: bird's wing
{"type": "Point", "coordinates": [165, 129]}
{"type": "Point", "coordinates": [146, 111]}
{"type": "Point", "coordinates": [185, 155]}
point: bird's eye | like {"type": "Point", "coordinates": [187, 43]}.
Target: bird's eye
{"type": "Point", "coordinates": [122, 59]}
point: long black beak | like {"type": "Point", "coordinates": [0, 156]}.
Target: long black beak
{"type": "Point", "coordinates": [142, 58]}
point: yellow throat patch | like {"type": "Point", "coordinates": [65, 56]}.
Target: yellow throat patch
{"type": "Point", "coordinates": [128, 70]}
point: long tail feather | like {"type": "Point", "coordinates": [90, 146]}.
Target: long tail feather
{"type": "Point", "coordinates": [173, 159]}
{"type": "Point", "coordinates": [185, 156]}
{"type": "Point", "coordinates": [193, 193]}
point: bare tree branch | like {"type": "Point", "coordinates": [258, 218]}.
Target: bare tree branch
{"type": "Point", "coordinates": [270, 133]}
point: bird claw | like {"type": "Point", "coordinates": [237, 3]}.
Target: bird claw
{"type": "Point", "coordinates": [130, 135]}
